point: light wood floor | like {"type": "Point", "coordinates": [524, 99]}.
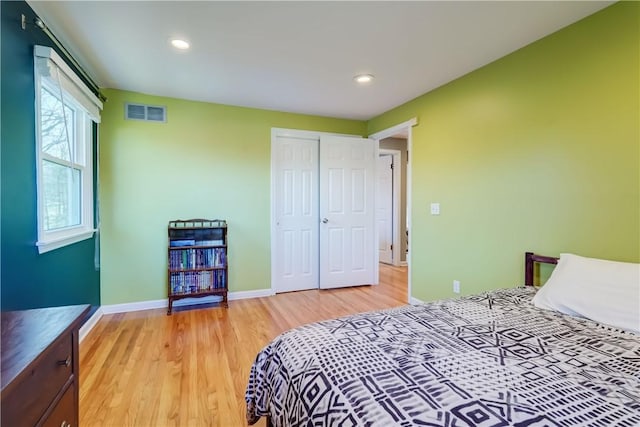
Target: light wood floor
{"type": "Point", "coordinates": [191, 368]}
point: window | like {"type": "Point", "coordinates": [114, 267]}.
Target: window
{"type": "Point", "coordinates": [65, 112]}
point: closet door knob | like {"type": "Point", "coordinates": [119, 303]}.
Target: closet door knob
{"type": "Point", "coordinates": [325, 220]}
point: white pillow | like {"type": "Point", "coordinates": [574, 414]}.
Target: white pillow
{"type": "Point", "coordinates": [607, 292]}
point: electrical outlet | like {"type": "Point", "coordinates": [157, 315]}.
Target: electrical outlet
{"type": "Point", "coordinates": [456, 286]}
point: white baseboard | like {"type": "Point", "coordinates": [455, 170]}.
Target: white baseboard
{"type": "Point", "coordinates": [251, 294]}
{"type": "Point", "coordinates": [89, 324]}
{"type": "Point", "coordinates": [404, 264]}
{"type": "Point", "coordinates": [164, 303]}
{"type": "Point", "coordinates": [415, 301]}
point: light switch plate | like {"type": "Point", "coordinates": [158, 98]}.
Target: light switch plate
{"type": "Point", "coordinates": [435, 208]}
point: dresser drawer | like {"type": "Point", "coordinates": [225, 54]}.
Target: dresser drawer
{"type": "Point", "coordinates": [64, 413]}
{"type": "Point", "coordinates": [38, 386]}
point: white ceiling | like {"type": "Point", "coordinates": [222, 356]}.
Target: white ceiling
{"type": "Point", "coordinates": [298, 56]}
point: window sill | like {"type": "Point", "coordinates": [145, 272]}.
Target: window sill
{"type": "Point", "coordinates": [59, 243]}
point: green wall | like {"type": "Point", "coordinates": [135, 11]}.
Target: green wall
{"type": "Point", "coordinates": [538, 151]}
{"type": "Point", "coordinates": [29, 280]}
{"type": "Point", "coordinates": [208, 160]}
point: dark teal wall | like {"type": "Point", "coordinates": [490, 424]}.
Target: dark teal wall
{"type": "Point", "coordinates": [29, 280]}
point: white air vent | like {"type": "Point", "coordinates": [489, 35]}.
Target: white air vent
{"type": "Point", "coordinates": [147, 113]}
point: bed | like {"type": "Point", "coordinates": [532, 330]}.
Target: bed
{"type": "Point", "coordinates": [492, 359]}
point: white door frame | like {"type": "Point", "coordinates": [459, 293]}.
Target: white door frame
{"type": "Point", "coordinates": [293, 133]}
{"type": "Point", "coordinates": [397, 169]}
{"type": "Point", "coordinates": [386, 133]}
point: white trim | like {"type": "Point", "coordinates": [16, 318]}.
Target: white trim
{"type": "Point", "coordinates": [90, 323]}
{"type": "Point", "coordinates": [49, 245]}
{"type": "Point", "coordinates": [258, 293]}
{"type": "Point", "coordinates": [275, 132]}
{"type": "Point", "coordinates": [386, 133]}
{"type": "Point", "coordinates": [164, 303]}
{"type": "Point", "coordinates": [397, 181]}
{"type": "Point", "coordinates": [409, 256]}
{"type": "Point", "coordinates": [403, 264]}
{"type": "Point", "coordinates": [376, 234]}
{"type": "Point", "coordinates": [137, 306]}
{"type": "Point", "coordinates": [414, 301]}
{"type": "Point", "coordinates": [306, 134]}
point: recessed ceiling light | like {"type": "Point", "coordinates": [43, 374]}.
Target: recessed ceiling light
{"type": "Point", "coordinates": [180, 44]}
{"type": "Point", "coordinates": [363, 78]}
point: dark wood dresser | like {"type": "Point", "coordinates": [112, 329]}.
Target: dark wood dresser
{"type": "Point", "coordinates": [39, 370]}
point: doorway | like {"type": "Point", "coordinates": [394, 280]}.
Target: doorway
{"type": "Point", "coordinates": [391, 201]}
{"type": "Point", "coordinates": [402, 131]}
{"type": "Point", "coordinates": [385, 217]}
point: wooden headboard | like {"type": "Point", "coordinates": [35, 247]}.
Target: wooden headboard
{"type": "Point", "coordinates": [529, 259]}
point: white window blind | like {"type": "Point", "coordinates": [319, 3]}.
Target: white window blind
{"type": "Point", "coordinates": [50, 66]}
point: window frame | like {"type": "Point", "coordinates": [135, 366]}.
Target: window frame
{"type": "Point", "coordinates": [82, 160]}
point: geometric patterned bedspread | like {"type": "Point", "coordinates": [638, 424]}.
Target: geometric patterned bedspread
{"type": "Point", "coordinates": [485, 360]}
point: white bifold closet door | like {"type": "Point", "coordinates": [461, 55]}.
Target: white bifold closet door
{"type": "Point", "coordinates": [296, 212]}
{"type": "Point", "coordinates": [324, 214]}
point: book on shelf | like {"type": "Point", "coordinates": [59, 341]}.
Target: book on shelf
{"type": "Point", "coordinates": [181, 243]}
{"type": "Point", "coordinates": [185, 282]}
{"type": "Point", "coordinates": [193, 258]}
{"type": "Point", "coordinates": [219, 279]}
{"type": "Point", "coordinates": [209, 243]}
